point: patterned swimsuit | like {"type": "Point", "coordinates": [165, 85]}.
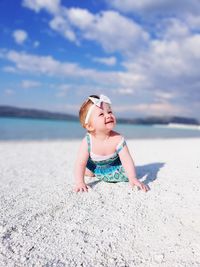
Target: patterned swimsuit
{"type": "Point", "coordinates": [110, 169]}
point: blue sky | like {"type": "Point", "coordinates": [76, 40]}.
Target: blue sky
{"type": "Point", "coordinates": [145, 55]}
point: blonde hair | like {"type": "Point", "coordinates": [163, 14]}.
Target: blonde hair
{"type": "Point", "coordinates": [84, 110]}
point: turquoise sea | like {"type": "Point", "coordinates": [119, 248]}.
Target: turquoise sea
{"type": "Point", "coordinates": [39, 129]}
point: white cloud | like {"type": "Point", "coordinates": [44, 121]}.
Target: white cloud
{"type": "Point", "coordinates": [51, 6]}
{"type": "Point", "coordinates": [165, 76]}
{"type": "Point", "coordinates": [174, 29]}
{"type": "Point", "coordinates": [159, 109]}
{"type": "Point", "coordinates": [27, 84]}
{"type": "Point", "coordinates": [125, 91]}
{"type": "Point", "coordinates": [109, 61]}
{"type": "Point", "coordinates": [193, 21]}
{"type": "Point", "coordinates": [157, 7]}
{"type": "Point", "coordinates": [131, 79]}
{"type": "Point", "coordinates": [62, 26]}
{"type": "Point", "coordinates": [164, 96]}
{"type": "Point", "coordinates": [80, 18]}
{"type": "Point", "coordinates": [153, 109]}
{"type": "Point", "coordinates": [110, 30]}
{"type": "Point", "coordinates": [46, 65]}
{"type": "Point", "coordinates": [169, 58]}
{"type": "Point", "coordinates": [161, 53]}
{"type": "Point", "coordinates": [172, 65]}
{"type": "Point", "coordinates": [20, 36]}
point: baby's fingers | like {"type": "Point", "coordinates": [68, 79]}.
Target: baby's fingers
{"type": "Point", "coordinates": [81, 189]}
{"type": "Point", "coordinates": [77, 189]}
{"type": "Point", "coordinates": [144, 187]}
{"type": "Point", "coordinates": [87, 188]}
{"type": "Point", "coordinates": [84, 189]}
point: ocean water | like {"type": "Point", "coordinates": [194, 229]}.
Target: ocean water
{"type": "Point", "coordinates": [39, 129]}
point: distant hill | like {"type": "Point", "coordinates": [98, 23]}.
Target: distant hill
{"type": "Point", "coordinates": [8, 111]}
{"type": "Point", "coordinates": [161, 120]}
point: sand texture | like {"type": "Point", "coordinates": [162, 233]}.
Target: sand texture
{"type": "Point", "coordinates": [44, 223]}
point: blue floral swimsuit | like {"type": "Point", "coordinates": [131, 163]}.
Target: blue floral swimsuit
{"type": "Point", "coordinates": [110, 169]}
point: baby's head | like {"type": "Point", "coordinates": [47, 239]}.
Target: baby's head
{"type": "Point", "coordinates": [96, 112]}
{"type": "Point", "coordinates": [84, 110]}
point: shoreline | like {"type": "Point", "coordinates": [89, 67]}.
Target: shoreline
{"type": "Point", "coordinates": [43, 222]}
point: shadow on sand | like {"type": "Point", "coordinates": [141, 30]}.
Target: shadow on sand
{"type": "Point", "coordinates": [93, 183]}
{"type": "Point", "coordinates": [150, 172]}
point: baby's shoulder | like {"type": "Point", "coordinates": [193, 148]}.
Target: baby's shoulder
{"type": "Point", "coordinates": [84, 141]}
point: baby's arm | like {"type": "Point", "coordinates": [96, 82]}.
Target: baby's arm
{"type": "Point", "coordinates": [129, 166]}
{"type": "Point", "coordinates": [80, 165]}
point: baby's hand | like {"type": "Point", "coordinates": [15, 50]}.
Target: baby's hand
{"type": "Point", "coordinates": [142, 186]}
{"type": "Point", "coordinates": [81, 187]}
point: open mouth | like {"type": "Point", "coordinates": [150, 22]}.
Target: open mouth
{"type": "Point", "coordinates": [109, 122]}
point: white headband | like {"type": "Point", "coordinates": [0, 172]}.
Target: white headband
{"type": "Point", "coordinates": [97, 102]}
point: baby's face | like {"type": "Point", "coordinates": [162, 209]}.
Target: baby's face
{"type": "Point", "coordinates": [102, 119]}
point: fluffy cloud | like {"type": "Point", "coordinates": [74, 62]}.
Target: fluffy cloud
{"type": "Point", "coordinates": [61, 25]}
{"type": "Point", "coordinates": [156, 11]}
{"type": "Point", "coordinates": [140, 79]}
{"type": "Point", "coordinates": [125, 91]}
{"type": "Point", "coordinates": [47, 65]}
{"type": "Point", "coordinates": [51, 6]}
{"type": "Point", "coordinates": [108, 28]}
{"type": "Point", "coordinates": [193, 21]}
{"type": "Point", "coordinates": [167, 75]}
{"type": "Point", "coordinates": [157, 7]}
{"type": "Point", "coordinates": [109, 61]}
{"type": "Point", "coordinates": [161, 59]}
{"type": "Point", "coordinates": [171, 71]}
{"type": "Point", "coordinates": [80, 18]}
{"type": "Point", "coordinates": [153, 109]}
{"type": "Point", "coordinates": [20, 36]}
{"type": "Point", "coordinates": [27, 84]}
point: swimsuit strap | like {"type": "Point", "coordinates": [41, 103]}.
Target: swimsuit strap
{"type": "Point", "coordinates": [119, 147]}
{"type": "Point", "coordinates": [121, 144]}
{"type": "Point", "coordinates": [88, 142]}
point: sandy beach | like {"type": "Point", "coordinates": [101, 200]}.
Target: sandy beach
{"type": "Point", "coordinates": [44, 223]}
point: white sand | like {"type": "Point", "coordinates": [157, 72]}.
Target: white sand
{"type": "Point", "coordinates": [43, 223]}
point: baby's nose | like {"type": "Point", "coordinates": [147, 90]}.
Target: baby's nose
{"type": "Point", "coordinates": [108, 115]}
